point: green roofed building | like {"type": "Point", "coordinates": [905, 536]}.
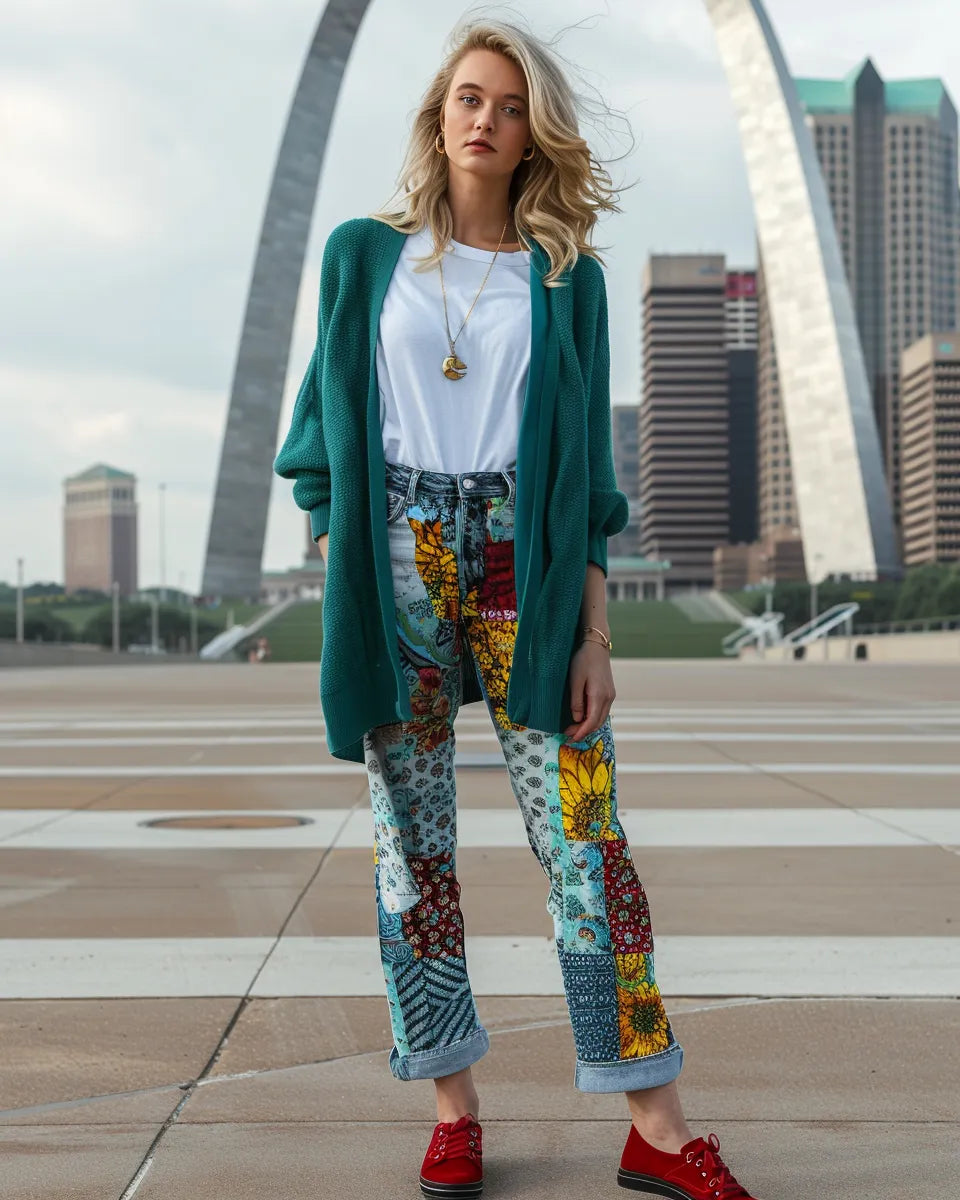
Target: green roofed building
{"type": "Point", "coordinates": [918, 97]}
{"type": "Point", "coordinates": [100, 530]}
{"type": "Point", "coordinates": [888, 153]}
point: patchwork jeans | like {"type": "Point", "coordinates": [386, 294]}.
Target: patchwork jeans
{"type": "Point", "coordinates": [451, 549]}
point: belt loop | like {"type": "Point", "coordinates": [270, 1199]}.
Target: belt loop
{"type": "Point", "coordinates": [511, 486]}
{"type": "Point", "coordinates": [415, 473]}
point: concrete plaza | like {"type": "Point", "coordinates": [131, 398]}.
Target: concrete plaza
{"type": "Point", "coordinates": [191, 1001]}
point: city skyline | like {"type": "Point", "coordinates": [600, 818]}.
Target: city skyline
{"type": "Point", "coordinates": [888, 154]}
{"type": "Point", "coordinates": [119, 344]}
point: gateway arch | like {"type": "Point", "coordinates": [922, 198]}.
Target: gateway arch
{"type": "Point", "coordinates": [238, 524]}
{"type": "Point", "coordinates": [841, 493]}
{"type": "Point", "coordinates": [843, 505]}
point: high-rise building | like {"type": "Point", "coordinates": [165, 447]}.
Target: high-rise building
{"type": "Point", "coordinates": [741, 344]}
{"type": "Point", "coordinates": [684, 418]}
{"type": "Point", "coordinates": [741, 310]}
{"type": "Point", "coordinates": [776, 506]}
{"type": "Point", "coordinates": [930, 449]}
{"type": "Point", "coordinates": [100, 530]}
{"type": "Point", "coordinates": [626, 462]}
{"type": "Point", "coordinates": [888, 154]}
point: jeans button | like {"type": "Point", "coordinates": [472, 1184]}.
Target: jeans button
{"type": "Point", "coordinates": [469, 483]}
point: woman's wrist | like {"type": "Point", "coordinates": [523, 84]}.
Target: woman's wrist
{"type": "Point", "coordinates": [593, 633]}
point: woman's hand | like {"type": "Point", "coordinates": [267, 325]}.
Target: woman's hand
{"type": "Point", "coordinates": [591, 689]}
{"type": "Point", "coordinates": [322, 541]}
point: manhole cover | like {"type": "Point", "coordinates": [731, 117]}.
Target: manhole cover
{"type": "Point", "coordinates": [229, 821]}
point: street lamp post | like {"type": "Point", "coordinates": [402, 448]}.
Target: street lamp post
{"type": "Point", "coordinates": [154, 623]}
{"type": "Point", "coordinates": [115, 589]}
{"type": "Point", "coordinates": [19, 599]}
{"type": "Point", "coordinates": [814, 584]}
{"type": "Point", "coordinates": [163, 550]}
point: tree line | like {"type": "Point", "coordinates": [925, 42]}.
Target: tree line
{"type": "Point", "coordinates": [930, 592]}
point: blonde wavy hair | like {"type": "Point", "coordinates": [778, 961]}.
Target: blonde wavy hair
{"type": "Point", "coordinates": [556, 197]}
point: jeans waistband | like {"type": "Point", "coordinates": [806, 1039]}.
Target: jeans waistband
{"type": "Point", "coordinates": [443, 485]}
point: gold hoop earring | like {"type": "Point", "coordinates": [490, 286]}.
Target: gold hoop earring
{"type": "Point", "coordinates": [526, 157]}
{"type": "Point", "coordinates": [438, 143]}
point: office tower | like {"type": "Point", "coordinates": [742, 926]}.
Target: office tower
{"type": "Point", "coordinates": [684, 421]}
{"type": "Point", "coordinates": [776, 507]}
{"type": "Point", "coordinates": [888, 153]}
{"type": "Point", "coordinates": [741, 310]}
{"type": "Point", "coordinates": [100, 530]}
{"type": "Point", "coordinates": [626, 462]}
{"type": "Point", "coordinates": [741, 344]}
{"type": "Point", "coordinates": [930, 449]}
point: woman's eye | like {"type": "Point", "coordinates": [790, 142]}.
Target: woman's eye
{"type": "Point", "coordinates": [509, 108]}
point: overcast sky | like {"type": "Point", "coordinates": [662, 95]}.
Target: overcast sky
{"type": "Point", "coordinates": [137, 138]}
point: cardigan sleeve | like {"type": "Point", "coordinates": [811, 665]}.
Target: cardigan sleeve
{"type": "Point", "coordinates": [609, 510]}
{"type": "Point", "coordinates": [303, 455]}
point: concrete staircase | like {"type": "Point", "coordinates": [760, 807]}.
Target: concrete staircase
{"type": "Point", "coordinates": [712, 606]}
{"type": "Point", "coordinates": [225, 643]}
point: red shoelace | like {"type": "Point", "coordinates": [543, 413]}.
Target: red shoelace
{"type": "Point", "coordinates": [458, 1139]}
{"type": "Point", "coordinates": [715, 1170]}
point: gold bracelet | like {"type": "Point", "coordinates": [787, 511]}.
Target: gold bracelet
{"type": "Point", "coordinates": [592, 628]}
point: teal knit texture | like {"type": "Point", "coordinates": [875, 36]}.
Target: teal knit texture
{"type": "Point", "coordinates": [567, 500]}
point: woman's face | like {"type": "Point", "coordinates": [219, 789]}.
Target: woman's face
{"type": "Point", "coordinates": [487, 100]}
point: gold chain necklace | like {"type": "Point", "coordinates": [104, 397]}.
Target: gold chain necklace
{"type": "Point", "coordinates": [453, 366]}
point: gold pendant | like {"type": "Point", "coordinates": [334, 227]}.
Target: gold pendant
{"type": "Point", "coordinates": [453, 367]}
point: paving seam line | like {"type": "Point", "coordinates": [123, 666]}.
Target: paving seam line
{"type": "Point", "coordinates": [64, 814]}
{"type": "Point", "coordinates": [147, 1161]}
{"type": "Point", "coordinates": [762, 769]}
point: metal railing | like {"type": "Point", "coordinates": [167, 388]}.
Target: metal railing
{"type": "Point", "coordinates": [911, 625]}
{"type": "Point", "coordinates": [223, 643]}
{"type": "Point", "coordinates": [763, 631]}
{"type": "Point", "coordinates": [823, 624]}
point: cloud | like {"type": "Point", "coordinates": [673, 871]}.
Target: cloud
{"type": "Point", "coordinates": [53, 180]}
{"type": "Point", "coordinates": [57, 423]}
{"type": "Point", "coordinates": [138, 142]}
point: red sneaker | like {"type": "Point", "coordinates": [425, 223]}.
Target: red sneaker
{"type": "Point", "coordinates": [696, 1173]}
{"type": "Point", "coordinates": [452, 1165]}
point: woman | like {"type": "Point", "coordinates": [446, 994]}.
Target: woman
{"type": "Point", "coordinates": [467, 504]}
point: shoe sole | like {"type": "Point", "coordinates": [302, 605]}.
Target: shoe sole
{"type": "Point", "coordinates": [450, 1191]}
{"type": "Point", "coordinates": [651, 1185]}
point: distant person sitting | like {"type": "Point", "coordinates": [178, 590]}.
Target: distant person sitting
{"type": "Point", "coordinates": [259, 652]}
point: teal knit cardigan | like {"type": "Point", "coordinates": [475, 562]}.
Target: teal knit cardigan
{"type": "Point", "coordinates": [567, 501]}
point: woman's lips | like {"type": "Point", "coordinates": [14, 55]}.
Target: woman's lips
{"type": "Point", "coordinates": [480, 146]}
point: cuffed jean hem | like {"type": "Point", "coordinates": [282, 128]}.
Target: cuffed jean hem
{"type": "Point", "coordinates": [630, 1074]}
{"type": "Point", "coordinates": [431, 1064]}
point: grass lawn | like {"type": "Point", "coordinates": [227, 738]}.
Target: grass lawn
{"type": "Point", "coordinates": [639, 629]}
{"type": "Point", "coordinates": [658, 629]}
{"type": "Point", "coordinates": [297, 634]}
{"type": "Point", "coordinates": [243, 614]}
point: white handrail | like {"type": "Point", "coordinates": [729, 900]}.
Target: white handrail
{"type": "Point", "coordinates": [223, 643]}
{"type": "Point", "coordinates": [822, 624]}
{"type": "Point", "coordinates": [763, 630]}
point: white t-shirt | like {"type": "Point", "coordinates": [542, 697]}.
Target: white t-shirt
{"type": "Point", "coordinates": [427, 420]}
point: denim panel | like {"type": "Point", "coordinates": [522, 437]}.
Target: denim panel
{"type": "Point", "coordinates": [451, 551]}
